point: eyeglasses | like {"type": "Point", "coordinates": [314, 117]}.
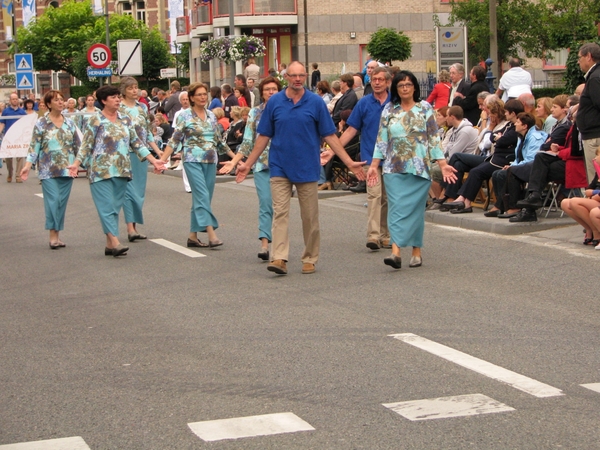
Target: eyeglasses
{"type": "Point", "coordinates": [404, 85]}
{"type": "Point", "coordinates": [378, 80]}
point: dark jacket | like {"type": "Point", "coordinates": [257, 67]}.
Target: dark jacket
{"type": "Point", "coordinates": [558, 135]}
{"type": "Point", "coordinates": [504, 146]}
{"type": "Point", "coordinates": [469, 103]}
{"type": "Point", "coordinates": [588, 114]}
{"type": "Point", "coordinates": [230, 102]}
{"type": "Point", "coordinates": [346, 101]}
{"type": "Point", "coordinates": [463, 88]}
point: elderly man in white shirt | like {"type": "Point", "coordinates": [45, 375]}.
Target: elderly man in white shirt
{"type": "Point", "coordinates": [514, 82]}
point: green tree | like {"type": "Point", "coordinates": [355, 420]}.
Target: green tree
{"type": "Point", "coordinates": [59, 39]}
{"type": "Point", "coordinates": [533, 28]}
{"type": "Point", "coordinates": [387, 45]}
{"type": "Point", "coordinates": [182, 58]}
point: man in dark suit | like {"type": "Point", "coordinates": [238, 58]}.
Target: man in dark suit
{"type": "Point", "coordinates": [348, 99]}
{"type": "Point", "coordinates": [468, 102]}
{"type": "Point", "coordinates": [457, 76]}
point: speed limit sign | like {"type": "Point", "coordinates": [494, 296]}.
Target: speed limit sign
{"type": "Point", "coordinates": [99, 56]}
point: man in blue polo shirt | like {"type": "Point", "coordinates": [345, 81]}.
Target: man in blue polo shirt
{"type": "Point", "coordinates": [12, 109]}
{"type": "Point", "coordinates": [295, 120]}
{"type": "Point", "coordinates": [365, 119]}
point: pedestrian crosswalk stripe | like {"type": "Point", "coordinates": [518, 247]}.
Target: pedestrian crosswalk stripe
{"type": "Point", "coordinates": [70, 443]}
{"type": "Point", "coordinates": [40, 195]}
{"type": "Point", "coordinates": [447, 407]}
{"type": "Point", "coordinates": [178, 248]}
{"type": "Point", "coordinates": [509, 377]}
{"type": "Point", "coordinates": [592, 386]}
{"type": "Point", "coordinates": [251, 426]}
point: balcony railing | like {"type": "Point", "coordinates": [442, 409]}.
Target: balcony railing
{"type": "Point", "coordinates": [201, 15]}
{"type": "Point", "coordinates": [255, 7]}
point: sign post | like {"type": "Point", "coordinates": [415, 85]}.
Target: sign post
{"type": "Point", "coordinates": [24, 70]}
{"type": "Point", "coordinates": [99, 57]}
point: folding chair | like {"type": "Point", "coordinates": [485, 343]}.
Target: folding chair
{"type": "Point", "coordinates": [551, 198]}
{"type": "Point", "coordinates": [340, 173]}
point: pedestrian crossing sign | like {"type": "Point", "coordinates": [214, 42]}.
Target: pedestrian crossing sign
{"type": "Point", "coordinates": [23, 62]}
{"type": "Point", "coordinates": [25, 80]}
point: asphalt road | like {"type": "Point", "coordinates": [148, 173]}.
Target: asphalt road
{"type": "Point", "coordinates": [126, 352]}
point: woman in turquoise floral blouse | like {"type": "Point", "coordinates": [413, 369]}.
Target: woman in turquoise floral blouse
{"type": "Point", "coordinates": [409, 144]}
{"type": "Point", "coordinates": [196, 134]}
{"type": "Point", "coordinates": [108, 139]}
{"type": "Point", "coordinates": [54, 144]}
{"type": "Point", "coordinates": [262, 180]}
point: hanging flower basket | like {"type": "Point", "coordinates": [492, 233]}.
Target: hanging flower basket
{"type": "Point", "coordinates": [230, 49]}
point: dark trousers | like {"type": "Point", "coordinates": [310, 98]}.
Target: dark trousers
{"type": "Point", "coordinates": [477, 176]}
{"type": "Point", "coordinates": [545, 168]}
{"type": "Point", "coordinates": [463, 163]}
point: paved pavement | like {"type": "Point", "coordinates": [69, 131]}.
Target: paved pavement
{"type": "Point", "coordinates": [492, 344]}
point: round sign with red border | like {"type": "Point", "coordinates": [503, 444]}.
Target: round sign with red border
{"type": "Point", "coordinates": [99, 56]}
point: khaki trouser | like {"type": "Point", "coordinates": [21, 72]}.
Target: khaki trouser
{"type": "Point", "coordinates": [589, 153]}
{"type": "Point", "coordinates": [9, 166]}
{"type": "Point", "coordinates": [281, 191]}
{"type": "Point", "coordinates": [377, 210]}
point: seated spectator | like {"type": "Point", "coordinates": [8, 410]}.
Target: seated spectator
{"type": "Point", "coordinates": [235, 133]}
{"type": "Point", "coordinates": [504, 140]}
{"type": "Point", "coordinates": [359, 90]}
{"type": "Point", "coordinates": [215, 95]}
{"type": "Point", "coordinates": [544, 112]}
{"type": "Point", "coordinates": [506, 143]}
{"type": "Point", "coordinates": [352, 148]}
{"type": "Point", "coordinates": [336, 90]}
{"type": "Point", "coordinates": [469, 102]}
{"type": "Point", "coordinates": [585, 211]}
{"type": "Point", "coordinates": [240, 93]}
{"type": "Point", "coordinates": [495, 121]}
{"type": "Point", "coordinates": [221, 119]}
{"type": "Point", "coordinates": [440, 94]}
{"type": "Point", "coordinates": [508, 184]}
{"type": "Point", "coordinates": [161, 121]}
{"type": "Point", "coordinates": [324, 91]}
{"type": "Point", "coordinates": [348, 99]}
{"type": "Point", "coordinates": [483, 115]}
{"type": "Point", "coordinates": [462, 139]}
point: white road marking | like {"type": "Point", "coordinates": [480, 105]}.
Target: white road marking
{"type": "Point", "coordinates": [70, 443]}
{"type": "Point", "coordinates": [447, 407]}
{"type": "Point", "coordinates": [178, 248]}
{"type": "Point", "coordinates": [592, 386]}
{"type": "Point", "coordinates": [241, 427]}
{"type": "Point", "coordinates": [513, 379]}
{"type": "Point", "coordinates": [40, 195]}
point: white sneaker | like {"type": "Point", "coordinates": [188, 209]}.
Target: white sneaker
{"type": "Point", "coordinates": [597, 247]}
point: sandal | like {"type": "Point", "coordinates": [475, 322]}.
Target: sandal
{"type": "Point", "coordinates": [196, 244]}
{"type": "Point", "coordinates": [591, 241]}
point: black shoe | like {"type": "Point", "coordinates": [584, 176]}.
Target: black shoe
{"type": "Point", "coordinates": [119, 250]}
{"type": "Point", "coordinates": [360, 188]}
{"type": "Point", "coordinates": [494, 213]}
{"type": "Point", "coordinates": [507, 215]}
{"type": "Point", "coordinates": [462, 210]}
{"type": "Point", "coordinates": [533, 200]}
{"type": "Point", "coordinates": [525, 215]}
{"type": "Point", "coordinates": [452, 205]}
{"type": "Point", "coordinates": [264, 254]}
{"type": "Point", "coordinates": [394, 261]}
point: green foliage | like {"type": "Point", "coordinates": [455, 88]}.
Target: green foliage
{"type": "Point", "coordinates": [387, 45]}
{"type": "Point", "coordinates": [60, 37]}
{"type": "Point", "coordinates": [80, 91]}
{"type": "Point", "coordinates": [533, 28]}
{"type": "Point", "coordinates": [549, 92]}
{"type": "Point", "coordinates": [574, 75]}
{"type": "Point", "coordinates": [182, 57]}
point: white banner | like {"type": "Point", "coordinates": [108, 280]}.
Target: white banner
{"type": "Point", "coordinates": [28, 11]}
{"type": "Point", "coordinates": [17, 139]}
{"type": "Point", "coordinates": [175, 11]}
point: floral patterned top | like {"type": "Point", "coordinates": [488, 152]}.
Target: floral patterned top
{"type": "Point", "coordinates": [247, 144]}
{"type": "Point", "coordinates": [106, 146]}
{"type": "Point", "coordinates": [140, 119]}
{"type": "Point", "coordinates": [199, 139]}
{"type": "Point", "coordinates": [53, 148]}
{"type": "Point", "coordinates": [85, 117]}
{"type": "Point", "coordinates": [408, 141]}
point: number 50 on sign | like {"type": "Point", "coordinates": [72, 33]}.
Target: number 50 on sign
{"type": "Point", "coordinates": [99, 56]}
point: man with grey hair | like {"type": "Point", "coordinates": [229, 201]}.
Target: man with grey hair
{"type": "Point", "coordinates": [370, 66]}
{"type": "Point", "coordinates": [358, 86]}
{"type": "Point", "coordinates": [336, 89]}
{"type": "Point", "coordinates": [588, 114]}
{"type": "Point", "coordinates": [515, 81]}
{"type": "Point", "coordinates": [254, 94]}
{"type": "Point", "coordinates": [528, 101]}
{"type": "Point", "coordinates": [459, 85]}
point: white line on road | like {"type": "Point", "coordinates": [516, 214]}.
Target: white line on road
{"type": "Point", "coordinates": [70, 443]}
{"type": "Point", "coordinates": [40, 195]}
{"type": "Point", "coordinates": [240, 427]}
{"type": "Point", "coordinates": [447, 407]}
{"type": "Point", "coordinates": [592, 386]}
{"type": "Point", "coordinates": [178, 248]}
{"type": "Point", "coordinates": [513, 379]}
